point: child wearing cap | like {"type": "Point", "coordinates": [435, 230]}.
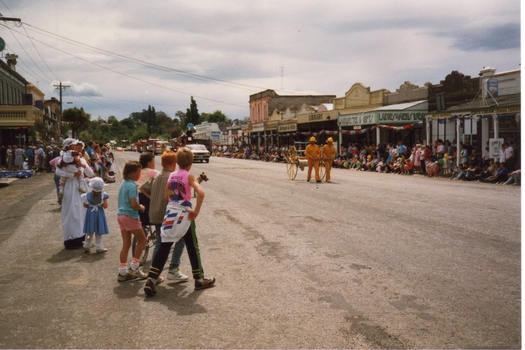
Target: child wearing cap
{"type": "Point", "coordinates": [95, 223]}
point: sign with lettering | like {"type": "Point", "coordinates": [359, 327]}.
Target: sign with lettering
{"type": "Point", "coordinates": [287, 128]}
{"type": "Point", "coordinates": [495, 147]}
{"type": "Point", "coordinates": [400, 117]}
{"type": "Point", "coordinates": [357, 119]}
{"type": "Point", "coordinates": [258, 127]}
{"type": "Point", "coordinates": [215, 135]}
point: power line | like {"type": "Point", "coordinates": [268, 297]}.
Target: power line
{"type": "Point", "coordinates": [193, 75]}
{"type": "Point", "coordinates": [131, 77]}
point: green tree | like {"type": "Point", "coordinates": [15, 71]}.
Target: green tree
{"type": "Point", "coordinates": [164, 124]}
{"type": "Point", "coordinates": [192, 114]}
{"type": "Point", "coordinates": [129, 123]}
{"type": "Point", "coordinates": [217, 117]}
{"type": "Point", "coordinates": [151, 119]}
{"type": "Point", "coordinates": [180, 116]}
{"type": "Point", "coordinates": [76, 118]}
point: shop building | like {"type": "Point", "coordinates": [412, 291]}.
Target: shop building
{"type": "Point", "coordinates": [476, 110]}
{"type": "Point", "coordinates": [274, 118]}
{"type": "Point", "coordinates": [17, 112]}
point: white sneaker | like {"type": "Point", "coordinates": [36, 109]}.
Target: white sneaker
{"type": "Point", "coordinates": [138, 273]}
{"type": "Point", "coordinates": [177, 276]}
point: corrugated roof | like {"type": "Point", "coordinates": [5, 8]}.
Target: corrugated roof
{"type": "Point", "coordinates": [400, 106]}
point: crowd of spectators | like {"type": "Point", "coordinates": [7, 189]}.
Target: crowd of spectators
{"type": "Point", "coordinates": [38, 158]}
{"type": "Point", "coordinates": [441, 159]}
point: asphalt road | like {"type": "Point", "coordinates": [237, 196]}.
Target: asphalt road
{"type": "Point", "coordinates": [368, 261]}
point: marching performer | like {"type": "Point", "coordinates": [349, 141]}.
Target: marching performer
{"type": "Point", "coordinates": [313, 153]}
{"type": "Point", "coordinates": [328, 153]}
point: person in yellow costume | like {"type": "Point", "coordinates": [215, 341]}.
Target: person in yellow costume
{"type": "Point", "coordinates": [328, 153]}
{"type": "Point", "coordinates": [313, 153]}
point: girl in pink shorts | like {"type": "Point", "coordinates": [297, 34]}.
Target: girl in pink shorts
{"type": "Point", "coordinates": [129, 222]}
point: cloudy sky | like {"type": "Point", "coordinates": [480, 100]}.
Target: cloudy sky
{"type": "Point", "coordinates": [119, 56]}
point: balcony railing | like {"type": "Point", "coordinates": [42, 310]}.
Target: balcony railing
{"type": "Point", "coordinates": [19, 115]}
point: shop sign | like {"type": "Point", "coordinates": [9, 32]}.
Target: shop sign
{"type": "Point", "coordinates": [287, 128]}
{"type": "Point", "coordinates": [357, 119]}
{"type": "Point", "coordinates": [315, 117]}
{"type": "Point", "coordinates": [258, 127]}
{"type": "Point", "coordinates": [400, 117]}
{"type": "Point", "coordinates": [271, 125]}
{"type": "Point", "coordinates": [492, 88]}
{"type": "Point", "coordinates": [495, 147]}
{"type": "Point", "coordinates": [215, 135]}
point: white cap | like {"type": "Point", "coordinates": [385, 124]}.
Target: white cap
{"type": "Point", "coordinates": [97, 184]}
{"type": "Point", "coordinates": [68, 142]}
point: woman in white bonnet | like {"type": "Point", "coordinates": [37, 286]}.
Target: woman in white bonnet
{"type": "Point", "coordinates": [73, 211]}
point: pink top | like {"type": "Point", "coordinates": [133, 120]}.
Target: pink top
{"type": "Point", "coordinates": [179, 189]}
{"type": "Point", "coordinates": [145, 175]}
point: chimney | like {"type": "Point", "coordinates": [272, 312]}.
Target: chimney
{"type": "Point", "coordinates": [11, 60]}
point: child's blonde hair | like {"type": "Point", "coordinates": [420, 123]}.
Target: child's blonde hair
{"type": "Point", "coordinates": [130, 167]}
{"type": "Point", "coordinates": [184, 157]}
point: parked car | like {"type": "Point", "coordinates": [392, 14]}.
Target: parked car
{"type": "Point", "coordinates": [200, 153]}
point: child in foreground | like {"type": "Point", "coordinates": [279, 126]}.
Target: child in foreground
{"type": "Point", "coordinates": [129, 222]}
{"type": "Point", "coordinates": [95, 223]}
{"type": "Point", "coordinates": [179, 221]}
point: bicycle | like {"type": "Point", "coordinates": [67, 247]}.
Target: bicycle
{"type": "Point", "coordinates": [151, 236]}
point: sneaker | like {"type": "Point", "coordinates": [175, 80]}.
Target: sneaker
{"type": "Point", "coordinates": [138, 273]}
{"type": "Point", "coordinates": [103, 250]}
{"type": "Point", "coordinates": [206, 283]}
{"type": "Point", "coordinates": [149, 288]}
{"type": "Point", "coordinates": [159, 280]}
{"type": "Point", "coordinates": [177, 276]}
{"type": "Point", "coordinates": [126, 277]}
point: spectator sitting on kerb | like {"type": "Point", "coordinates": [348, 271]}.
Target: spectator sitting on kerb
{"type": "Point", "coordinates": [409, 167]}
{"type": "Point", "coordinates": [338, 161]}
{"type": "Point", "coordinates": [514, 178]}
{"type": "Point", "coordinates": [380, 165]}
{"type": "Point", "coordinates": [471, 172]}
{"type": "Point", "coordinates": [463, 171]}
{"type": "Point", "coordinates": [501, 174]}
{"type": "Point", "coordinates": [357, 164]}
{"type": "Point", "coordinates": [458, 169]}
{"type": "Point", "coordinates": [489, 170]}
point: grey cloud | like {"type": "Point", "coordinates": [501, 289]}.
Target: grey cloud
{"type": "Point", "coordinates": [501, 37]}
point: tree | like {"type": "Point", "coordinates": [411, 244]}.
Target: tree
{"type": "Point", "coordinates": [76, 118]}
{"type": "Point", "coordinates": [192, 114]}
{"type": "Point", "coordinates": [164, 124]}
{"type": "Point", "coordinates": [151, 119]}
{"type": "Point", "coordinates": [179, 117]}
{"type": "Point", "coordinates": [217, 117]}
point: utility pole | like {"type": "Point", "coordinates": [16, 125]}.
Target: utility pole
{"type": "Point", "coordinates": [60, 87]}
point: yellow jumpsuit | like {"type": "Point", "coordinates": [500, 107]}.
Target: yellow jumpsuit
{"type": "Point", "coordinates": [328, 152]}
{"type": "Point", "coordinates": [312, 153]}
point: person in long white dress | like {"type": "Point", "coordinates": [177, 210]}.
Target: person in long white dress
{"type": "Point", "coordinates": [73, 211]}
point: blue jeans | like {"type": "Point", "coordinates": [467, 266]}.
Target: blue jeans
{"type": "Point", "coordinates": [177, 249]}
{"type": "Point", "coordinates": [516, 178]}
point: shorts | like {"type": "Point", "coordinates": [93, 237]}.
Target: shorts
{"type": "Point", "coordinates": [127, 223]}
